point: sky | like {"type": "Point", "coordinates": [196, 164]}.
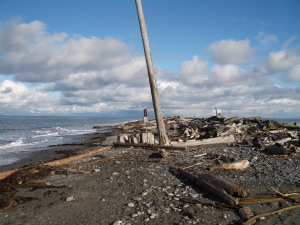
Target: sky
{"type": "Point", "coordinates": [75, 57]}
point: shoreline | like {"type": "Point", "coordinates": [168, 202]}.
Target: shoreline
{"type": "Point", "coordinates": [127, 185]}
{"type": "Point", "coordinates": [50, 153]}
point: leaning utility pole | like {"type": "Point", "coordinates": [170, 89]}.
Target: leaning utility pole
{"type": "Point", "coordinates": [163, 138]}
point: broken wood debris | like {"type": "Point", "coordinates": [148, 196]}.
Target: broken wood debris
{"type": "Point", "coordinates": [153, 146]}
{"type": "Point", "coordinates": [209, 203]}
{"type": "Point", "coordinates": [201, 163]}
{"type": "Point", "coordinates": [251, 220]}
{"type": "Point", "coordinates": [27, 177]}
{"type": "Point", "coordinates": [246, 213]}
{"type": "Point", "coordinates": [287, 194]}
{"type": "Point", "coordinates": [236, 166]}
{"type": "Point", "coordinates": [209, 141]}
{"type": "Point", "coordinates": [218, 181]}
{"type": "Point", "coordinates": [212, 186]}
{"type": "Point", "coordinates": [185, 131]}
{"type": "Point", "coordinates": [59, 162]}
{"type": "Point", "coordinates": [251, 201]}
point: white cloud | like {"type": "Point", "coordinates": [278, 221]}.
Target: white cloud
{"type": "Point", "coordinates": [194, 71]}
{"type": "Point", "coordinates": [35, 56]}
{"type": "Point", "coordinates": [17, 96]}
{"type": "Point", "coordinates": [266, 39]}
{"type": "Point", "coordinates": [294, 75]}
{"type": "Point", "coordinates": [282, 61]}
{"type": "Point", "coordinates": [286, 62]}
{"type": "Point", "coordinates": [231, 51]}
{"type": "Point", "coordinates": [226, 74]}
{"type": "Point", "coordinates": [75, 74]}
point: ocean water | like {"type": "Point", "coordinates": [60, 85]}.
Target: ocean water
{"type": "Point", "coordinates": [22, 135]}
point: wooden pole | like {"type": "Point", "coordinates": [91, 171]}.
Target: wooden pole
{"type": "Point", "coordinates": [163, 138]}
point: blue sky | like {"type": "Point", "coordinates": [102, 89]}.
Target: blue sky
{"type": "Point", "coordinates": [86, 57]}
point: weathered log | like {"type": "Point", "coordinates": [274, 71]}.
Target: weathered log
{"type": "Point", "coordinates": [229, 187]}
{"type": "Point", "coordinates": [118, 144]}
{"type": "Point", "coordinates": [208, 187]}
{"type": "Point", "coordinates": [59, 162]}
{"type": "Point", "coordinates": [277, 150]}
{"type": "Point", "coordinates": [74, 158]}
{"type": "Point", "coordinates": [240, 165]}
{"type": "Point", "coordinates": [209, 141]}
{"type": "Point", "coordinates": [5, 174]}
{"type": "Point", "coordinates": [283, 141]}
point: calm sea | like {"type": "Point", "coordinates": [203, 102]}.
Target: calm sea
{"type": "Point", "coordinates": [21, 135]}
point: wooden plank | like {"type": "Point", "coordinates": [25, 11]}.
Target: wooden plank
{"type": "Point", "coordinates": [208, 141]}
{"type": "Point", "coordinates": [59, 162]}
{"type": "Point", "coordinates": [119, 144]}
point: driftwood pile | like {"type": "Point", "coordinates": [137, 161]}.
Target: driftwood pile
{"type": "Point", "coordinates": [268, 135]}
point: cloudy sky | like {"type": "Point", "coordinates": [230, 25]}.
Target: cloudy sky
{"type": "Point", "coordinates": [64, 57]}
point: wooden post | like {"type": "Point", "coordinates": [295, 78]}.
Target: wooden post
{"type": "Point", "coordinates": [163, 138]}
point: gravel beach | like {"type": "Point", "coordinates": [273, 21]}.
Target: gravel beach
{"type": "Point", "coordinates": [127, 185]}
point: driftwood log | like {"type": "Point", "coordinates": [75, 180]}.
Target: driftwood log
{"type": "Point", "coordinates": [59, 162]}
{"type": "Point", "coordinates": [119, 144]}
{"type": "Point", "coordinates": [208, 141]}
{"type": "Point", "coordinates": [208, 187]}
{"type": "Point", "coordinates": [236, 166]}
{"type": "Point", "coordinates": [276, 150]}
{"type": "Point", "coordinates": [229, 187]}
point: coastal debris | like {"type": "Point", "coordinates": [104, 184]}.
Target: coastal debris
{"type": "Point", "coordinates": [207, 186]}
{"type": "Point", "coordinates": [218, 181]}
{"type": "Point", "coordinates": [209, 203]}
{"type": "Point", "coordinates": [210, 141]}
{"type": "Point", "coordinates": [276, 150]}
{"type": "Point", "coordinates": [163, 153]}
{"type": "Point", "coordinates": [9, 202]}
{"type": "Point", "coordinates": [77, 157]}
{"type": "Point", "coordinates": [251, 138]}
{"type": "Point", "coordinates": [152, 146]}
{"type": "Point", "coordinates": [279, 149]}
{"type": "Point", "coordinates": [25, 175]}
{"type": "Point", "coordinates": [238, 166]}
{"type": "Point", "coordinates": [57, 163]}
{"type": "Point", "coordinates": [287, 194]}
{"type": "Point", "coordinates": [186, 131]}
{"type": "Point", "coordinates": [254, 218]}
{"type": "Point", "coordinates": [246, 213]}
{"type": "Point", "coordinates": [147, 138]}
{"type": "Point", "coordinates": [70, 199]}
